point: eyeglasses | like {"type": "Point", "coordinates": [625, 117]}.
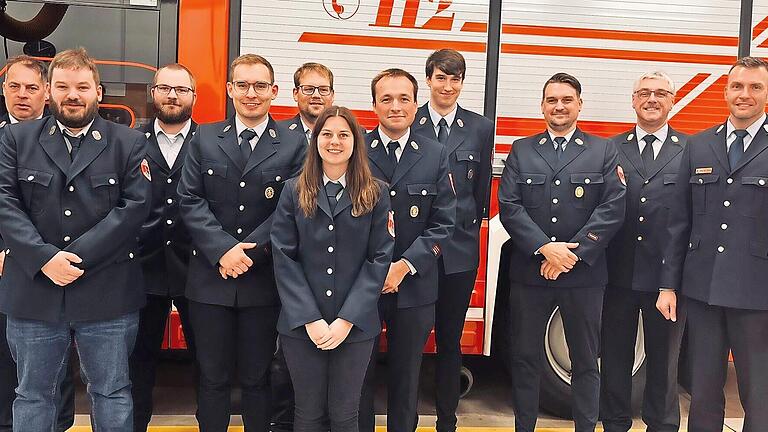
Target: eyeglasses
{"type": "Point", "coordinates": [646, 93]}
{"type": "Point", "coordinates": [259, 87]}
{"type": "Point", "coordinates": [310, 90]}
{"type": "Point", "coordinates": [166, 89]}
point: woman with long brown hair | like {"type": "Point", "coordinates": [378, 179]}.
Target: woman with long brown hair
{"type": "Point", "coordinates": [332, 240]}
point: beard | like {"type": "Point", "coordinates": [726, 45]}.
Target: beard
{"type": "Point", "coordinates": [168, 116]}
{"type": "Point", "coordinates": [74, 121]}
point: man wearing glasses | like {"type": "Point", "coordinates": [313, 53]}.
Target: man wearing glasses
{"type": "Point", "coordinates": [650, 156]}
{"type": "Point", "coordinates": [313, 92]}
{"type": "Point", "coordinates": [230, 184]}
{"type": "Point", "coordinates": [26, 91]}
{"type": "Point", "coordinates": [165, 243]}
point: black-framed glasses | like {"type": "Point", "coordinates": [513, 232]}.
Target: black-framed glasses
{"type": "Point", "coordinates": [309, 90]}
{"type": "Point", "coordinates": [646, 93]}
{"type": "Point", "coordinates": [166, 89]}
{"type": "Point", "coordinates": [260, 87]}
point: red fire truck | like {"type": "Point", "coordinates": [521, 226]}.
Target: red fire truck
{"type": "Point", "coordinates": [511, 46]}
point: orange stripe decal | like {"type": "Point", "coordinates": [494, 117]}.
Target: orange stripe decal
{"type": "Point", "coordinates": [759, 28]}
{"type": "Point", "coordinates": [615, 54]}
{"type": "Point", "coordinates": [582, 33]}
{"type": "Point", "coordinates": [543, 50]}
{"type": "Point", "coordinates": [389, 42]}
{"type": "Point", "coordinates": [690, 85]}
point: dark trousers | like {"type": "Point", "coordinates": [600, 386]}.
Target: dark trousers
{"type": "Point", "coordinates": [143, 361]}
{"type": "Point", "coordinates": [330, 381]}
{"type": "Point", "coordinates": [8, 383]}
{"type": "Point", "coordinates": [580, 308]}
{"type": "Point", "coordinates": [282, 392]}
{"type": "Point", "coordinates": [661, 404]}
{"type": "Point", "coordinates": [233, 342]}
{"type": "Point", "coordinates": [712, 332]}
{"type": "Point", "coordinates": [453, 298]}
{"type": "Point", "coordinates": [407, 330]}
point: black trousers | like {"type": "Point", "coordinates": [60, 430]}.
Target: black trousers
{"type": "Point", "coordinates": [143, 361]}
{"type": "Point", "coordinates": [712, 332]}
{"type": "Point", "coordinates": [455, 291]}
{"type": "Point", "coordinates": [580, 308]}
{"type": "Point", "coordinates": [8, 383]}
{"type": "Point", "coordinates": [233, 342]}
{"type": "Point", "coordinates": [661, 404]}
{"type": "Point", "coordinates": [330, 381]}
{"type": "Point", "coordinates": [282, 392]}
{"type": "Point", "coordinates": [407, 331]}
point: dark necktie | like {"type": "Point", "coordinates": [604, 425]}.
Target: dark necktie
{"type": "Point", "coordinates": [245, 144]}
{"type": "Point", "coordinates": [560, 142]}
{"type": "Point", "coordinates": [332, 190]}
{"type": "Point", "coordinates": [737, 147]}
{"type": "Point", "coordinates": [391, 147]}
{"type": "Point", "coordinates": [647, 153]}
{"type": "Point", "coordinates": [442, 131]}
{"type": "Point", "coordinates": [75, 143]}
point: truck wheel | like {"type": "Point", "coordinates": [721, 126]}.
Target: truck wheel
{"type": "Point", "coordinates": [467, 380]}
{"type": "Point", "coordinates": [555, 393]}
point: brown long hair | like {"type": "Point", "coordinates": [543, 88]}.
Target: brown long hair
{"type": "Point", "coordinates": [361, 185]}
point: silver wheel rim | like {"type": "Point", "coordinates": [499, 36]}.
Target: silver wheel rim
{"type": "Point", "coordinates": [556, 348]}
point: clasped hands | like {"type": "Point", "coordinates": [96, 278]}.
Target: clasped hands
{"type": "Point", "coordinates": [327, 337]}
{"type": "Point", "coordinates": [235, 262]}
{"type": "Point", "coordinates": [558, 259]}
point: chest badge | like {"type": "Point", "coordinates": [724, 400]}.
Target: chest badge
{"type": "Point", "coordinates": [470, 173]}
{"type": "Point", "coordinates": [579, 192]}
{"type": "Point", "coordinates": [269, 192]}
{"type": "Point", "coordinates": [705, 170]}
{"type": "Point", "coordinates": [414, 211]}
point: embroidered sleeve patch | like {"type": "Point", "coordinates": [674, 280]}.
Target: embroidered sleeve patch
{"type": "Point", "coordinates": [620, 173]}
{"type": "Point", "coordinates": [436, 249]}
{"type": "Point", "coordinates": [391, 223]}
{"type": "Point", "coordinates": [592, 236]}
{"type": "Point", "coordinates": [145, 169]}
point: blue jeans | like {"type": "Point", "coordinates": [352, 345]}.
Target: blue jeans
{"type": "Point", "coordinates": [40, 350]}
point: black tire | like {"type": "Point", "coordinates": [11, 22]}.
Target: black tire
{"type": "Point", "coordinates": [467, 380]}
{"type": "Point", "coordinates": [555, 393]}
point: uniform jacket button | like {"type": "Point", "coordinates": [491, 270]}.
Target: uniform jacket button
{"type": "Point", "coordinates": [329, 293]}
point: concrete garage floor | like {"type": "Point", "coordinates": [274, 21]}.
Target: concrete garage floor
{"type": "Point", "coordinates": [486, 406]}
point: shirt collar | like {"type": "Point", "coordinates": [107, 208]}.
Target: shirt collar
{"type": "Point", "coordinates": [568, 136]}
{"type": "Point", "coordinates": [65, 131]}
{"type": "Point", "coordinates": [304, 125]}
{"type": "Point", "coordinates": [342, 180]}
{"type": "Point", "coordinates": [259, 128]}
{"type": "Point", "coordinates": [14, 120]}
{"type": "Point", "coordinates": [752, 129]}
{"type": "Point", "coordinates": [435, 116]}
{"type": "Point", "coordinates": [660, 134]}
{"type": "Point", "coordinates": [183, 132]}
{"type": "Point", "coordinates": [402, 140]}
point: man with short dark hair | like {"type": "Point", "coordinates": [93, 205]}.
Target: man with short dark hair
{"type": "Point", "coordinates": [230, 184]}
{"type": "Point", "coordinates": [468, 139]}
{"type": "Point", "coordinates": [26, 92]}
{"type": "Point", "coordinates": [424, 207]}
{"type": "Point", "coordinates": [561, 200]}
{"type": "Point", "coordinates": [164, 240]}
{"type": "Point", "coordinates": [73, 196]}
{"type": "Point", "coordinates": [717, 250]}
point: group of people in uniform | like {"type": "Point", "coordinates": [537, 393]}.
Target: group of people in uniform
{"type": "Point", "coordinates": [306, 234]}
